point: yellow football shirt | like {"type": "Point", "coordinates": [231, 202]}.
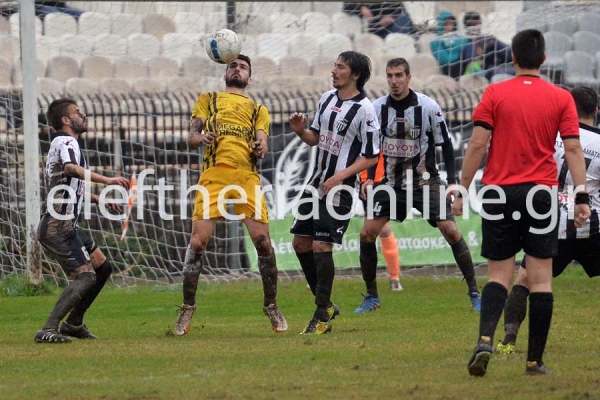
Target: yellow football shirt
{"type": "Point", "coordinates": [236, 119]}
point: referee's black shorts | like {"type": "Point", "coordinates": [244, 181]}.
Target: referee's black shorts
{"type": "Point", "coordinates": [506, 236]}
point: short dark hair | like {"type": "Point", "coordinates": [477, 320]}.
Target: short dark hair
{"type": "Point", "coordinates": [57, 110]}
{"type": "Point", "coordinates": [360, 65]}
{"type": "Point", "coordinates": [244, 58]}
{"type": "Point", "coordinates": [396, 62]}
{"type": "Point", "coordinates": [529, 48]}
{"type": "Point", "coordinates": [471, 16]}
{"type": "Point", "coordinates": [586, 100]}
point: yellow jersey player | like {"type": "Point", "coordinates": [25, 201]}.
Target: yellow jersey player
{"type": "Point", "coordinates": [233, 130]}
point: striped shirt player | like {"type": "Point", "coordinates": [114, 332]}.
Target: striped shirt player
{"type": "Point", "coordinates": [347, 129]}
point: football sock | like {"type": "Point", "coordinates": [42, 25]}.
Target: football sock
{"type": "Point", "coordinates": [325, 274]}
{"type": "Point", "coordinates": [102, 274]}
{"type": "Point", "coordinates": [540, 316]}
{"type": "Point", "coordinates": [514, 312]}
{"type": "Point", "coordinates": [389, 248]}
{"type": "Point", "coordinates": [267, 266]}
{"type": "Point", "coordinates": [463, 259]}
{"type": "Point", "coordinates": [307, 262]}
{"type": "Point", "coordinates": [368, 266]}
{"type": "Point", "coordinates": [191, 273]}
{"type": "Point", "coordinates": [493, 298]}
{"type": "Point", "coordinates": [69, 297]}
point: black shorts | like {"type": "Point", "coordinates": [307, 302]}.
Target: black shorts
{"type": "Point", "coordinates": [505, 237]}
{"type": "Point", "coordinates": [585, 251]}
{"type": "Point", "coordinates": [384, 204]}
{"type": "Point", "coordinates": [69, 246]}
{"type": "Point", "coordinates": [326, 228]}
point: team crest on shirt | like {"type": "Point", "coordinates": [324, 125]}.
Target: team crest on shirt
{"type": "Point", "coordinates": [414, 132]}
{"type": "Point", "coordinates": [341, 124]}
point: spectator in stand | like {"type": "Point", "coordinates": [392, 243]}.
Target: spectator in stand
{"type": "Point", "coordinates": [448, 49]}
{"type": "Point", "coordinates": [493, 52]}
{"type": "Point", "coordinates": [383, 17]}
{"type": "Point", "coordinates": [43, 8]}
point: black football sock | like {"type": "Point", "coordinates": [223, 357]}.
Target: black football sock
{"type": "Point", "coordinates": [267, 266]}
{"type": "Point", "coordinates": [102, 274]}
{"type": "Point", "coordinates": [493, 298]}
{"type": "Point", "coordinates": [325, 275]}
{"type": "Point", "coordinates": [514, 313]}
{"type": "Point", "coordinates": [307, 262]}
{"type": "Point", "coordinates": [191, 274]}
{"type": "Point", "coordinates": [540, 316]}
{"type": "Point", "coordinates": [368, 266]}
{"type": "Point", "coordinates": [463, 259]}
{"type": "Point", "coordinates": [70, 296]}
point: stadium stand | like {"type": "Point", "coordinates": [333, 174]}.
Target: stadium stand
{"type": "Point", "coordinates": [57, 24]}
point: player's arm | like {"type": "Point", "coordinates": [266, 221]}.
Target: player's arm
{"type": "Point", "coordinates": [197, 136]}
{"type": "Point", "coordinates": [576, 164]}
{"type": "Point", "coordinates": [77, 171]}
{"type": "Point", "coordinates": [298, 125]}
{"type": "Point", "coordinates": [260, 145]}
{"type": "Point", "coordinates": [359, 165]}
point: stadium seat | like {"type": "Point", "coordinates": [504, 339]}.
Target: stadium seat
{"type": "Point", "coordinates": [305, 45]}
{"type": "Point", "coordinates": [81, 86]}
{"type": "Point", "coordinates": [5, 73]}
{"type": "Point", "coordinates": [125, 25]}
{"type": "Point", "coordinates": [424, 43]}
{"type": "Point", "coordinates": [58, 24]}
{"type": "Point", "coordinates": [182, 83]}
{"type": "Point", "coordinates": [105, 7]}
{"type": "Point", "coordinates": [146, 85]}
{"type": "Point", "coordinates": [346, 24]}
{"type": "Point", "coordinates": [566, 25]}
{"type": "Point", "coordinates": [328, 7]}
{"type": "Point", "coordinates": [501, 77]}
{"type": "Point", "coordinates": [110, 45]}
{"type": "Point", "coordinates": [48, 86]}
{"type": "Point", "coordinates": [207, 7]}
{"type": "Point", "coordinates": [264, 65]}
{"type": "Point", "coordinates": [441, 82]}
{"type": "Point", "coordinates": [417, 84]}
{"type": "Point", "coordinates": [130, 67]}
{"type": "Point", "coordinates": [296, 7]}
{"type": "Point", "coordinates": [472, 82]}
{"type": "Point", "coordinates": [286, 23]}
{"type": "Point", "coordinates": [423, 65]}
{"type": "Point", "coordinates": [272, 45]}
{"type": "Point", "coordinates": [170, 8]}
{"type": "Point", "coordinates": [114, 86]}
{"type": "Point", "coordinates": [586, 41]}
{"type": "Point", "coordinates": [400, 45]}
{"type": "Point", "coordinates": [94, 24]}
{"type": "Point", "coordinates": [143, 45]}
{"type": "Point", "coordinates": [598, 65]}
{"type": "Point", "coordinates": [47, 47]}
{"type": "Point", "coordinates": [96, 68]}
{"type": "Point", "coordinates": [502, 25]}
{"type": "Point", "coordinates": [249, 44]}
{"type": "Point", "coordinates": [421, 12]}
{"type": "Point", "coordinates": [138, 7]}
{"type": "Point", "coordinates": [196, 66]}
{"type": "Point", "coordinates": [579, 69]}
{"type": "Point", "coordinates": [176, 46]}
{"type": "Point", "coordinates": [369, 44]}
{"type": "Point", "coordinates": [157, 25]}
{"type": "Point", "coordinates": [15, 31]}
{"type": "Point", "coordinates": [332, 44]}
{"type": "Point", "coordinates": [162, 67]}
{"type": "Point", "coordinates": [557, 44]}
{"type": "Point", "coordinates": [315, 22]}
{"type": "Point", "coordinates": [509, 7]}
{"type": "Point", "coordinates": [9, 47]}
{"type": "Point", "coordinates": [62, 68]}
{"type": "Point", "coordinates": [322, 68]}
{"type": "Point", "coordinates": [293, 66]}
{"type": "Point", "coordinates": [76, 46]}
{"type": "Point", "coordinates": [589, 22]}
{"type": "Point", "coordinates": [4, 26]}
{"type": "Point", "coordinates": [189, 23]}
{"type": "Point", "coordinates": [17, 74]}
{"type": "Point", "coordinates": [254, 24]}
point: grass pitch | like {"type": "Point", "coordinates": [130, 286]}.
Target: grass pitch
{"type": "Point", "coordinates": [415, 347]}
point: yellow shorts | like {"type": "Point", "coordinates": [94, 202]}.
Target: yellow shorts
{"type": "Point", "coordinates": [242, 184]}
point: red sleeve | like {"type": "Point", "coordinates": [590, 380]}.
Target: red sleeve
{"type": "Point", "coordinates": [569, 121]}
{"type": "Point", "coordinates": [483, 114]}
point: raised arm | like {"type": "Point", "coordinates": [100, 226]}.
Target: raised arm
{"type": "Point", "coordinates": [77, 171]}
{"type": "Point", "coordinates": [298, 125]}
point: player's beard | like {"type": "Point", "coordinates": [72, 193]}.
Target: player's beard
{"type": "Point", "coordinates": [78, 127]}
{"type": "Point", "coordinates": [236, 82]}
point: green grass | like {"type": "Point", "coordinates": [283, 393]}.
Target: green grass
{"type": "Point", "coordinates": [416, 346]}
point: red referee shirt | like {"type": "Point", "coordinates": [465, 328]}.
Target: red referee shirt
{"type": "Point", "coordinates": [524, 114]}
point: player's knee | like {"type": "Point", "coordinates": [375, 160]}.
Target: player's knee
{"type": "Point", "coordinates": [86, 280]}
{"type": "Point", "coordinates": [263, 246]}
{"type": "Point", "coordinates": [367, 236]}
{"type": "Point", "coordinates": [198, 244]}
{"type": "Point", "coordinates": [449, 231]}
{"type": "Point", "coordinates": [301, 244]}
{"type": "Point", "coordinates": [104, 271]}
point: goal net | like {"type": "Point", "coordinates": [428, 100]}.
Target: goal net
{"type": "Point", "coordinates": [136, 69]}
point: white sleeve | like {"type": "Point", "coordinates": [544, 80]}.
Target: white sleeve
{"type": "Point", "coordinates": [369, 132]}
{"type": "Point", "coordinates": [69, 151]}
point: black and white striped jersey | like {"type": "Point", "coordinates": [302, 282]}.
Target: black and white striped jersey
{"type": "Point", "coordinates": [64, 150]}
{"type": "Point", "coordinates": [410, 129]}
{"type": "Point", "coordinates": [590, 142]}
{"type": "Point", "coordinates": [347, 129]}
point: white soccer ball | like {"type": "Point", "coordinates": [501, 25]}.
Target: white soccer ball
{"type": "Point", "coordinates": [223, 46]}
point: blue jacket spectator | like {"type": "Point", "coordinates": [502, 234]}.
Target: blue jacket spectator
{"type": "Point", "coordinates": [448, 49]}
{"type": "Point", "coordinates": [383, 17]}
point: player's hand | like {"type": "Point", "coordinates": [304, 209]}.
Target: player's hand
{"type": "Point", "coordinates": [452, 192]}
{"type": "Point", "coordinates": [207, 138]}
{"type": "Point", "coordinates": [332, 182]}
{"type": "Point", "coordinates": [298, 122]}
{"type": "Point", "coordinates": [363, 188]}
{"type": "Point", "coordinates": [113, 208]}
{"type": "Point", "coordinates": [457, 206]}
{"type": "Point", "coordinates": [119, 180]}
{"type": "Point", "coordinates": [582, 213]}
{"type": "Point", "coordinates": [259, 149]}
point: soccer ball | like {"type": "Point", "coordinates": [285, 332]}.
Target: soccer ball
{"type": "Point", "coordinates": [223, 46]}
